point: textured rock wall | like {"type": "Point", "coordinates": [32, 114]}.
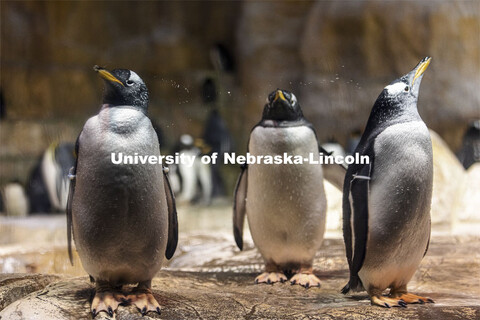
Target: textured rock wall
{"type": "Point", "coordinates": [48, 50]}
{"type": "Point", "coordinates": [351, 50]}
{"type": "Point", "coordinates": [339, 55]}
{"type": "Point", "coordinates": [335, 55]}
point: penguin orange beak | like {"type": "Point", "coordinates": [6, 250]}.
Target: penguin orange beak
{"type": "Point", "coordinates": [421, 69]}
{"type": "Point", "coordinates": [279, 95]}
{"type": "Point", "coordinates": [106, 75]}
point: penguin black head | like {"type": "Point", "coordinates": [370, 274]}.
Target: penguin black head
{"type": "Point", "coordinates": [282, 106]}
{"type": "Point", "coordinates": [406, 88]}
{"type": "Point", "coordinates": [123, 87]}
{"type": "Point", "coordinates": [400, 97]}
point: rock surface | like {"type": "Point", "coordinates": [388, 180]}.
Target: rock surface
{"type": "Point", "coordinates": [470, 206]}
{"type": "Point", "coordinates": [335, 55]}
{"type": "Point", "coordinates": [448, 183]}
{"type": "Point", "coordinates": [352, 49]}
{"type": "Point", "coordinates": [219, 288]}
{"type": "Point", "coordinates": [15, 286]}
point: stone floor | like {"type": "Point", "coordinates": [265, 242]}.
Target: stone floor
{"type": "Point", "coordinates": [209, 278]}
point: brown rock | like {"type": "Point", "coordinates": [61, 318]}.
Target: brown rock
{"type": "Point", "coordinates": [469, 209]}
{"type": "Point", "coordinates": [268, 39]}
{"type": "Point", "coordinates": [16, 286]}
{"type": "Point", "coordinates": [448, 183]}
{"type": "Point", "coordinates": [352, 50]}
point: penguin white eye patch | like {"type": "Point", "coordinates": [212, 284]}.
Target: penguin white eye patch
{"type": "Point", "coordinates": [396, 88]}
{"type": "Point", "coordinates": [134, 77]}
{"type": "Point", "coordinates": [293, 99]}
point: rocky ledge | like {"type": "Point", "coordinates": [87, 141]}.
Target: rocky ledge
{"type": "Point", "coordinates": [448, 275]}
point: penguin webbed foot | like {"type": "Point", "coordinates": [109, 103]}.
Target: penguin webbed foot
{"type": "Point", "coordinates": [107, 301]}
{"type": "Point", "coordinates": [306, 280]}
{"type": "Point", "coordinates": [144, 300]}
{"type": "Point", "coordinates": [271, 278]}
{"type": "Point", "coordinates": [413, 298]}
{"type": "Point", "coordinates": [387, 302]}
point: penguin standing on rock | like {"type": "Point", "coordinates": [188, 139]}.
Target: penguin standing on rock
{"type": "Point", "coordinates": [386, 203]}
{"type": "Point", "coordinates": [285, 203]}
{"type": "Point", "coordinates": [123, 216]}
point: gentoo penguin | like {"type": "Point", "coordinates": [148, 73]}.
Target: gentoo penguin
{"type": "Point", "coordinates": [386, 203]}
{"type": "Point", "coordinates": [37, 191]}
{"type": "Point", "coordinates": [218, 137]}
{"type": "Point", "coordinates": [55, 165]}
{"type": "Point", "coordinates": [470, 152]}
{"type": "Point", "coordinates": [193, 180]}
{"type": "Point", "coordinates": [15, 200]}
{"type": "Point", "coordinates": [285, 203]}
{"type": "Point", "coordinates": [334, 173]}
{"type": "Point", "coordinates": [123, 215]}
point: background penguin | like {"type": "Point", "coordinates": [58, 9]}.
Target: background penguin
{"type": "Point", "coordinates": [470, 152]}
{"type": "Point", "coordinates": [15, 202]}
{"type": "Point", "coordinates": [48, 184]}
{"type": "Point", "coordinates": [286, 203]}
{"type": "Point", "coordinates": [386, 204]}
{"type": "Point", "coordinates": [334, 173]}
{"type": "Point", "coordinates": [37, 192]}
{"type": "Point", "coordinates": [193, 183]}
{"type": "Point", "coordinates": [123, 216]}
{"type": "Point", "coordinates": [57, 161]}
{"type": "Point", "coordinates": [217, 136]}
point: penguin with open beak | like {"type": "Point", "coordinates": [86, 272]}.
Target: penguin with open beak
{"type": "Point", "coordinates": [386, 203]}
{"type": "Point", "coordinates": [285, 203]}
{"type": "Point", "coordinates": [123, 216]}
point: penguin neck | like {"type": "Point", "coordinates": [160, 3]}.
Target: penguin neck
{"type": "Point", "coordinates": [112, 106]}
{"type": "Point", "coordinates": [269, 123]}
{"type": "Point", "coordinates": [388, 112]}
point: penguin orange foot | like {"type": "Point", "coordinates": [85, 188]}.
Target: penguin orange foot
{"type": "Point", "coordinates": [106, 299]}
{"type": "Point", "coordinates": [305, 278]}
{"type": "Point", "coordinates": [270, 277]}
{"type": "Point", "coordinates": [387, 302]}
{"type": "Point", "coordinates": [411, 298]}
{"type": "Point", "coordinates": [142, 297]}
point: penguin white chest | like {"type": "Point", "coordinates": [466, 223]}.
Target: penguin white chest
{"type": "Point", "coordinates": [285, 202]}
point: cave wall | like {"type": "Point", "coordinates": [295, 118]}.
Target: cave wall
{"type": "Point", "coordinates": [335, 55]}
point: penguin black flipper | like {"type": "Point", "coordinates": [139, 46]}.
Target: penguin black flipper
{"type": "Point", "coordinates": [71, 191]}
{"type": "Point", "coordinates": [356, 185]}
{"type": "Point", "coordinates": [172, 219]}
{"type": "Point", "coordinates": [428, 245]}
{"type": "Point", "coordinates": [239, 206]}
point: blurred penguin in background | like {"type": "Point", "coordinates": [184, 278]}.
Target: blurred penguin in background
{"type": "Point", "coordinates": [333, 147]}
{"type": "Point", "coordinates": [217, 136]}
{"type": "Point", "coordinates": [334, 173]}
{"type": "Point", "coordinates": [15, 202]}
{"type": "Point", "coordinates": [353, 141]}
{"type": "Point", "coordinates": [222, 59]}
{"type": "Point", "coordinates": [37, 192]}
{"type": "Point", "coordinates": [470, 152]}
{"type": "Point", "coordinates": [52, 176]}
{"type": "Point", "coordinates": [192, 183]}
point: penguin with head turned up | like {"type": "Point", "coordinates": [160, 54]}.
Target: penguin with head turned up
{"type": "Point", "coordinates": [123, 216]}
{"type": "Point", "coordinates": [285, 203]}
{"type": "Point", "coordinates": [386, 203]}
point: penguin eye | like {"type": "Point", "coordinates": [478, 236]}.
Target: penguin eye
{"type": "Point", "coordinates": [129, 83]}
{"type": "Point", "coordinates": [407, 88]}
